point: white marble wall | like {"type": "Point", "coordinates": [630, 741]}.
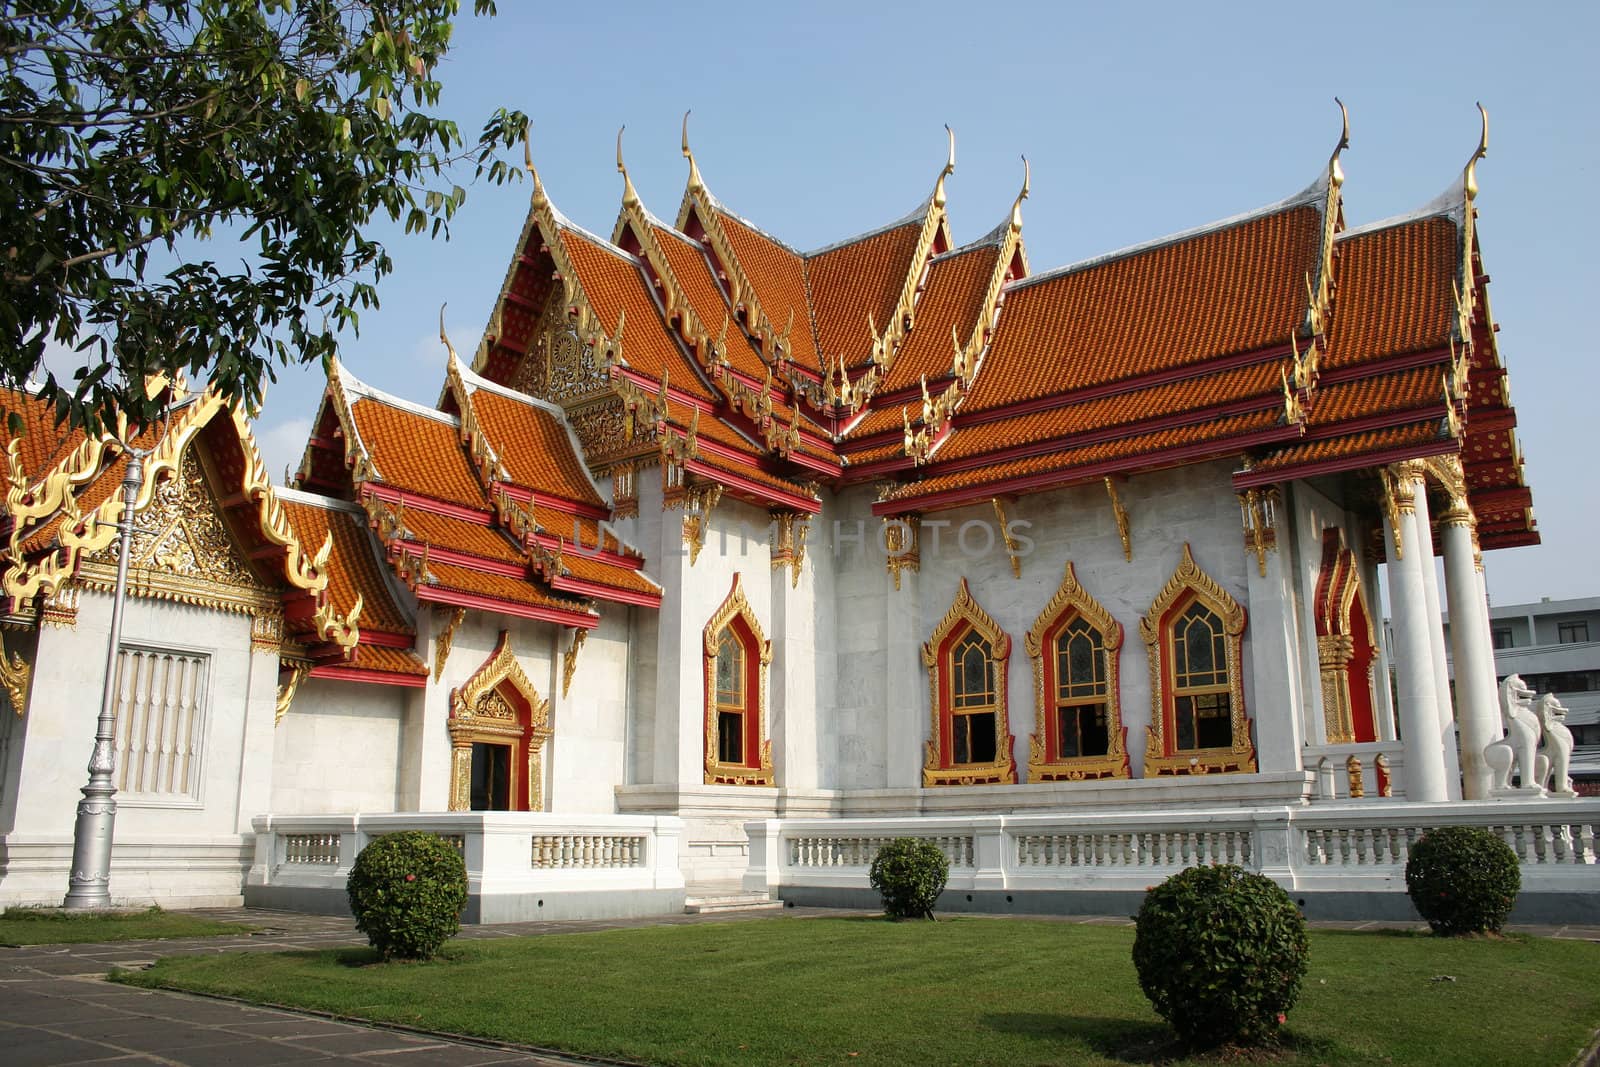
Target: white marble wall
{"type": "Point", "coordinates": [587, 756]}
{"type": "Point", "coordinates": [339, 749]}
{"type": "Point", "coordinates": [49, 755]}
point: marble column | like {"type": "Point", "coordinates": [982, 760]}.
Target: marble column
{"type": "Point", "coordinates": [906, 716]}
{"type": "Point", "coordinates": [1469, 622]}
{"type": "Point", "coordinates": [1274, 639]}
{"type": "Point", "coordinates": [793, 684]}
{"type": "Point", "coordinates": [1436, 643]}
{"type": "Point", "coordinates": [1425, 776]}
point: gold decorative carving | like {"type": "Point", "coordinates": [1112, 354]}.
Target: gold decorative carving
{"type": "Point", "coordinates": [1342, 619]}
{"type": "Point", "coordinates": [1385, 778]}
{"type": "Point", "coordinates": [1319, 306]}
{"type": "Point", "coordinates": [15, 673]}
{"type": "Point", "coordinates": [480, 712]}
{"type": "Point", "coordinates": [61, 608]}
{"type": "Point", "coordinates": [447, 636]}
{"type": "Point", "coordinates": [789, 544]}
{"type": "Point", "coordinates": [569, 658]}
{"type": "Point", "coordinates": [1071, 600]}
{"type": "Point", "coordinates": [183, 551]}
{"type": "Point", "coordinates": [1352, 770]}
{"type": "Point", "coordinates": [965, 613]}
{"type": "Point", "coordinates": [288, 688]}
{"type": "Point", "coordinates": [266, 631]}
{"type": "Point", "coordinates": [902, 539]}
{"type": "Point", "coordinates": [1120, 513]}
{"type": "Point", "coordinates": [624, 492]}
{"type": "Point", "coordinates": [1398, 501]}
{"type": "Point", "coordinates": [717, 772]}
{"type": "Point", "coordinates": [1260, 510]}
{"type": "Point", "coordinates": [1005, 536]}
{"type": "Point", "coordinates": [1189, 583]}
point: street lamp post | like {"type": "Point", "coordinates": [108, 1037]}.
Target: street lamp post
{"type": "Point", "coordinates": [90, 879]}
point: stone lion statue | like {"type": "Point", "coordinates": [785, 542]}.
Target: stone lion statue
{"type": "Point", "coordinates": [1519, 746]}
{"type": "Point", "coordinates": [1557, 755]}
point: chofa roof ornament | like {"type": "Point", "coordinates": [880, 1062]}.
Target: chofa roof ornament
{"type": "Point", "coordinates": [1469, 175]}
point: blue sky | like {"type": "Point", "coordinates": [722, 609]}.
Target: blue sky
{"type": "Point", "coordinates": [822, 120]}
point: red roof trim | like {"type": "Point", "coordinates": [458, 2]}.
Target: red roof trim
{"type": "Point", "coordinates": [390, 495]}
{"type": "Point", "coordinates": [524, 495]}
{"type": "Point", "coordinates": [383, 639]}
{"type": "Point", "coordinates": [1064, 476]}
{"type": "Point", "coordinates": [443, 554]}
{"type": "Point", "coordinates": [456, 598]}
{"type": "Point", "coordinates": [766, 493]}
{"type": "Point", "coordinates": [584, 587]}
{"type": "Point", "coordinates": [369, 676]}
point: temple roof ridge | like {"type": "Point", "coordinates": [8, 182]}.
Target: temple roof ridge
{"type": "Point", "coordinates": [1313, 195]}
{"type": "Point", "coordinates": [780, 242]}
{"type": "Point", "coordinates": [350, 383]}
{"type": "Point", "coordinates": [317, 500]}
{"type": "Point", "coordinates": [1448, 204]}
{"type": "Point", "coordinates": [916, 214]}
{"type": "Point", "coordinates": [475, 381]}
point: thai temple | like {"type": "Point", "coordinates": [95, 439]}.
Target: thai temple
{"type": "Point", "coordinates": [720, 563]}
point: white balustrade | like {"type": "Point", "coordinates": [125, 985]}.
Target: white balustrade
{"type": "Point", "coordinates": [1355, 845]}
{"type": "Point", "coordinates": [536, 854]}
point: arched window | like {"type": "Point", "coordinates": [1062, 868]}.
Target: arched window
{"type": "Point", "coordinates": [498, 726]}
{"type": "Point", "coordinates": [1074, 646]}
{"type": "Point", "coordinates": [966, 660]}
{"type": "Point", "coordinates": [1346, 645]}
{"type": "Point", "coordinates": [737, 655]}
{"type": "Point", "coordinates": [1194, 634]}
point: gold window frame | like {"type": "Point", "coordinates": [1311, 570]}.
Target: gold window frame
{"type": "Point", "coordinates": [471, 722]}
{"type": "Point", "coordinates": [1338, 593]}
{"type": "Point", "coordinates": [965, 612]}
{"type": "Point", "coordinates": [1070, 600]}
{"type": "Point", "coordinates": [1188, 583]}
{"type": "Point", "coordinates": [737, 606]}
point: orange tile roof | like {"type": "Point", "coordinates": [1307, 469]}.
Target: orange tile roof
{"type": "Point", "coordinates": [1411, 435]}
{"type": "Point", "coordinates": [692, 271]}
{"type": "Point", "coordinates": [353, 565]}
{"type": "Point", "coordinates": [387, 661]}
{"type": "Point", "coordinates": [755, 474]}
{"type": "Point", "coordinates": [460, 535]}
{"type": "Point", "coordinates": [560, 525]}
{"type": "Point", "coordinates": [1188, 396]}
{"type": "Point", "coordinates": [613, 284]}
{"type": "Point", "coordinates": [590, 569]}
{"type": "Point", "coordinates": [1146, 447]}
{"type": "Point", "coordinates": [1394, 291]}
{"type": "Point", "coordinates": [778, 276]}
{"type": "Point", "coordinates": [1236, 288]}
{"type": "Point", "coordinates": [848, 282]}
{"type": "Point", "coordinates": [415, 452]}
{"type": "Point", "coordinates": [514, 590]}
{"type": "Point", "coordinates": [1381, 394]}
{"type": "Point", "coordinates": [42, 443]}
{"type": "Point", "coordinates": [533, 446]}
{"type": "Point", "coordinates": [952, 298]}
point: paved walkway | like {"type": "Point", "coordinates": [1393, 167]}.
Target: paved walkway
{"type": "Point", "coordinates": [56, 1007]}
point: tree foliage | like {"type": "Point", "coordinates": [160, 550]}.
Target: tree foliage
{"type": "Point", "coordinates": [139, 136]}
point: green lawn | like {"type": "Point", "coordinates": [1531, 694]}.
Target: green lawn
{"type": "Point", "coordinates": [963, 991]}
{"type": "Point", "coordinates": [41, 926]}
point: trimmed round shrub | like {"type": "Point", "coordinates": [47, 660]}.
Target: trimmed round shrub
{"type": "Point", "coordinates": [909, 874]}
{"type": "Point", "coordinates": [406, 891]}
{"type": "Point", "coordinates": [1220, 953]}
{"type": "Point", "coordinates": [1463, 880]}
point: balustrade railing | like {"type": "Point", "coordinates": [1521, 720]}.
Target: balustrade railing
{"type": "Point", "coordinates": [1352, 845]}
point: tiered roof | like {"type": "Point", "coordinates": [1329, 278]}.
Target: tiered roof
{"type": "Point", "coordinates": [1273, 339]}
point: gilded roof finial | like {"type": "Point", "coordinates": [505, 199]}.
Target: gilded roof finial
{"type": "Point", "coordinates": [540, 198]}
{"type": "Point", "coordinates": [1469, 177]}
{"type": "Point", "coordinates": [1336, 172]}
{"type": "Point", "coordinates": [1016, 208]}
{"type": "Point", "coordinates": [949, 168]}
{"type": "Point", "coordinates": [630, 195]}
{"type": "Point", "coordinates": [695, 181]}
{"type": "Point", "coordinates": [443, 337]}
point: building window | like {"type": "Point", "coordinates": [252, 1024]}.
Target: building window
{"type": "Point", "coordinates": [1075, 645]}
{"type": "Point", "coordinates": [1573, 633]}
{"type": "Point", "coordinates": [498, 726]}
{"type": "Point", "coordinates": [966, 660]}
{"type": "Point", "coordinates": [1501, 637]}
{"type": "Point", "coordinates": [1194, 635]}
{"type": "Point", "coordinates": [972, 701]}
{"type": "Point", "coordinates": [1346, 644]}
{"type": "Point", "coordinates": [160, 722]}
{"type": "Point", "coordinates": [737, 656]}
